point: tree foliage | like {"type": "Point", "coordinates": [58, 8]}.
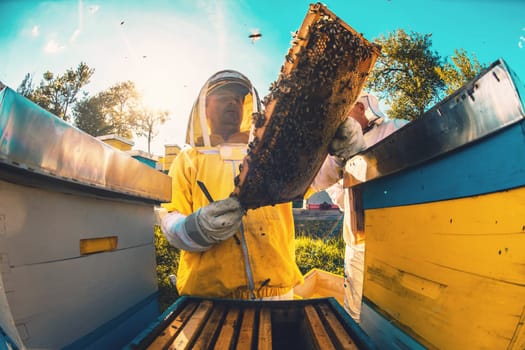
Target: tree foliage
{"type": "Point", "coordinates": [410, 77]}
{"type": "Point", "coordinates": [117, 110]}
{"type": "Point", "coordinates": [405, 74]}
{"type": "Point", "coordinates": [112, 111]}
{"type": "Point", "coordinates": [89, 116]}
{"type": "Point", "coordinates": [57, 93]}
{"type": "Point", "coordinates": [120, 105]}
{"type": "Point", "coordinates": [462, 69]}
{"type": "Point", "coordinates": [26, 86]}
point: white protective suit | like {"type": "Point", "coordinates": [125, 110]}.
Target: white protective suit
{"type": "Point", "coordinates": [355, 245]}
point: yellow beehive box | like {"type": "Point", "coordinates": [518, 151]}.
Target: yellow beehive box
{"type": "Point", "coordinates": [117, 142]}
{"type": "Point", "coordinates": [170, 152]}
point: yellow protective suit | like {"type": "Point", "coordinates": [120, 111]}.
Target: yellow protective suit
{"type": "Point", "coordinates": [268, 231]}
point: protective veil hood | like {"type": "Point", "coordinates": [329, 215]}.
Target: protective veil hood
{"type": "Point", "coordinates": [371, 104]}
{"type": "Point", "coordinates": [198, 132]}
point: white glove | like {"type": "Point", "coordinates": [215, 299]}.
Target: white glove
{"type": "Point", "coordinates": [348, 140]}
{"type": "Point", "coordinates": [215, 222]}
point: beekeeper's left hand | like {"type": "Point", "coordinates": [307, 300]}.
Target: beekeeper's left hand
{"type": "Point", "coordinates": [348, 140]}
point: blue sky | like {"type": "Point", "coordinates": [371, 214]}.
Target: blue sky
{"type": "Point", "coordinates": [169, 48]}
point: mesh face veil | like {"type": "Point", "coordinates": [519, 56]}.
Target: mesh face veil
{"type": "Point", "coordinates": [198, 133]}
{"type": "Point", "coordinates": [371, 104]}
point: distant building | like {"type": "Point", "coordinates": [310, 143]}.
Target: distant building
{"type": "Point", "coordinates": [117, 142]}
{"type": "Point", "coordinates": [320, 200]}
{"type": "Point", "coordinates": [170, 152]}
{"type": "Point", "coordinates": [146, 158]}
{"type": "Point", "coordinates": [125, 145]}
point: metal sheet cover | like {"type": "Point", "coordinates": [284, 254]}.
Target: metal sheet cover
{"type": "Point", "coordinates": [488, 103]}
{"type": "Point", "coordinates": [37, 141]}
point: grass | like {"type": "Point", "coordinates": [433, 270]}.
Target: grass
{"type": "Point", "coordinates": [328, 255]}
{"type": "Point", "coordinates": [167, 258]}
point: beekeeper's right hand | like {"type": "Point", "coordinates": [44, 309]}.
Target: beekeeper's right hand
{"type": "Point", "coordinates": [207, 226]}
{"type": "Point", "coordinates": [215, 222]}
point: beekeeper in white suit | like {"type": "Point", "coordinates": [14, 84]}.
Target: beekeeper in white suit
{"type": "Point", "coordinates": [375, 127]}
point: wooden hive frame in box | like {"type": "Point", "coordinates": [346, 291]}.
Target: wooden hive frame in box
{"type": "Point", "coordinates": [199, 323]}
{"type": "Point", "coordinates": [322, 76]}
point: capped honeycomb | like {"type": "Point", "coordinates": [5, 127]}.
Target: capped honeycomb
{"type": "Point", "coordinates": [322, 76]}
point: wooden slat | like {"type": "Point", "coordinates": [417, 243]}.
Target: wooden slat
{"type": "Point", "coordinates": [225, 337]}
{"type": "Point", "coordinates": [211, 328]}
{"type": "Point", "coordinates": [244, 341]}
{"type": "Point", "coordinates": [320, 338]}
{"type": "Point", "coordinates": [208, 324]}
{"type": "Point", "coordinates": [341, 338]}
{"type": "Point", "coordinates": [265, 330]}
{"type": "Point", "coordinates": [173, 328]}
{"type": "Point", "coordinates": [185, 337]}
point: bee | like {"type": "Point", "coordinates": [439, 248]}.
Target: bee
{"type": "Point", "coordinates": [255, 35]}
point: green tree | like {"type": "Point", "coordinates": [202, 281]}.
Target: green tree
{"type": "Point", "coordinates": [405, 75]}
{"type": "Point", "coordinates": [114, 111]}
{"type": "Point", "coordinates": [57, 93]}
{"type": "Point", "coordinates": [146, 122]}
{"type": "Point", "coordinates": [120, 105]}
{"type": "Point", "coordinates": [460, 71]}
{"type": "Point", "coordinates": [89, 116]}
{"type": "Point", "coordinates": [26, 87]}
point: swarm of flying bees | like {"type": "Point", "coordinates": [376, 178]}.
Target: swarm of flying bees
{"type": "Point", "coordinates": [322, 75]}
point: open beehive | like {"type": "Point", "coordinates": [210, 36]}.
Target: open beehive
{"type": "Point", "coordinates": [199, 323]}
{"type": "Point", "coordinates": [322, 76]}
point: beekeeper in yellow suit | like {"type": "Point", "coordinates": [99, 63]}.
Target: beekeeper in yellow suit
{"type": "Point", "coordinates": [227, 252]}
